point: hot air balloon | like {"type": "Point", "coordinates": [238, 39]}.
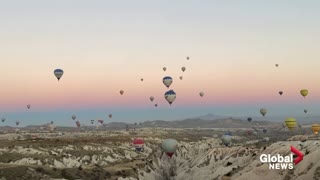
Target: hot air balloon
{"type": "Point", "coordinates": [110, 116]}
{"type": "Point", "coordinates": [17, 123]}
{"type": "Point", "coordinates": [58, 73]}
{"type": "Point", "coordinates": [121, 92]}
{"type": "Point", "coordinates": [280, 92]}
{"type": "Point", "coordinates": [291, 123]}
{"type": "Point", "coordinates": [277, 65]}
{"type": "Point", "coordinates": [141, 79]}
{"type": "Point", "coordinates": [170, 96]}
{"type": "Point", "coordinates": [249, 119]}
{"type": "Point", "coordinates": [315, 128]}
{"type": "Point", "coordinates": [181, 77]}
{"type": "Point", "coordinates": [169, 146]}
{"type": "Point", "coordinates": [3, 119]}
{"type": "Point", "coordinates": [51, 122]}
{"type": "Point", "coordinates": [164, 68]}
{"type": "Point", "coordinates": [263, 111]}
{"type": "Point", "coordinates": [188, 57]}
{"type": "Point", "coordinates": [138, 144]}
{"type": "Point", "coordinates": [28, 106]}
{"type": "Point", "coordinates": [304, 92]}
{"type": "Point", "coordinates": [305, 111]}
{"type": "Point", "coordinates": [183, 69]}
{"type": "Point", "coordinates": [100, 121]}
{"type": "Point", "coordinates": [156, 105]}
{"type": "Point", "coordinates": [92, 121]}
{"type": "Point", "coordinates": [228, 133]}
{"type": "Point", "coordinates": [151, 98]}
{"type": "Point", "coordinates": [73, 117]}
{"type": "Point", "coordinates": [201, 94]}
{"type": "Point", "coordinates": [226, 139]}
{"type": "Point", "coordinates": [167, 81]}
{"type": "Point", "coordinates": [78, 124]}
{"type": "Point", "coordinates": [264, 130]}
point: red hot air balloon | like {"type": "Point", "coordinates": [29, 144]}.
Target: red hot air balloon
{"type": "Point", "coordinates": [138, 144]}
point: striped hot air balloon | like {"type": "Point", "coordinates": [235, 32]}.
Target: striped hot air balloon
{"type": "Point", "coordinates": [291, 123]}
{"type": "Point", "coordinates": [138, 144]}
{"type": "Point", "coordinates": [315, 128]}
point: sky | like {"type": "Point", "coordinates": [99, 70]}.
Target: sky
{"type": "Point", "coordinates": [107, 46]}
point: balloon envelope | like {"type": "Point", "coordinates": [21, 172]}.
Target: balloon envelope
{"type": "Point", "coordinates": [315, 128]}
{"type": "Point", "coordinates": [263, 111]}
{"type": "Point", "coordinates": [304, 92]}
{"type": "Point", "coordinates": [226, 139]}
{"type": "Point", "coordinates": [170, 96]}
{"type": "Point", "coordinates": [291, 123]}
{"type": "Point", "coordinates": [121, 92]}
{"type": "Point", "coordinates": [58, 73]}
{"type": "Point", "coordinates": [169, 146]}
{"type": "Point", "coordinates": [280, 92]}
{"type": "Point", "coordinates": [249, 119]}
{"type": "Point", "coordinates": [201, 94]}
{"type": "Point", "coordinates": [167, 81]}
{"type": "Point", "coordinates": [138, 143]}
{"type": "Point", "coordinates": [164, 68]}
{"type": "Point", "coordinates": [151, 98]}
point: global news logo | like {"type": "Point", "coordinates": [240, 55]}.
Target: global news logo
{"type": "Point", "coordinates": [282, 162]}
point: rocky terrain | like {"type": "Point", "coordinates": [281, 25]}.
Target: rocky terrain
{"type": "Point", "coordinates": [110, 155]}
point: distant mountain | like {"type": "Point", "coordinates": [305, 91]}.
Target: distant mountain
{"type": "Point", "coordinates": [209, 116]}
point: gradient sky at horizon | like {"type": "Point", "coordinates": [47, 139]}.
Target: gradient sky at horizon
{"type": "Point", "coordinates": [105, 46]}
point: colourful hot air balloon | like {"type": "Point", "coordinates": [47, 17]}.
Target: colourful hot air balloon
{"type": "Point", "coordinates": [305, 111]}
{"type": "Point", "coordinates": [201, 94]}
{"type": "Point", "coordinates": [226, 139]}
{"type": "Point", "coordinates": [280, 92]}
{"type": "Point", "coordinates": [315, 128]}
{"type": "Point", "coordinates": [170, 96]}
{"type": "Point", "coordinates": [169, 146]}
{"type": "Point", "coordinates": [92, 121]}
{"type": "Point", "coordinates": [164, 68]}
{"type": "Point", "coordinates": [17, 123]}
{"type": "Point", "coordinates": [304, 92]}
{"type": "Point", "coordinates": [183, 69]}
{"type": "Point", "coordinates": [263, 111]}
{"type": "Point", "coordinates": [110, 116]}
{"type": "Point", "coordinates": [181, 77]}
{"type": "Point", "coordinates": [167, 81]}
{"type": "Point", "coordinates": [121, 92]}
{"type": "Point", "coordinates": [73, 117]}
{"type": "Point", "coordinates": [291, 123]}
{"type": "Point", "coordinates": [138, 144]}
{"type": "Point", "coordinates": [151, 98]}
{"type": "Point", "coordinates": [58, 73]}
{"type": "Point", "coordinates": [3, 119]}
{"type": "Point", "coordinates": [249, 119]}
{"type": "Point", "coordinates": [28, 106]}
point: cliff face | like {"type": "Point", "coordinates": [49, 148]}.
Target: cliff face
{"type": "Point", "coordinates": [209, 160]}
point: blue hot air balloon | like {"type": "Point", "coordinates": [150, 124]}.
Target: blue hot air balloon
{"type": "Point", "coordinates": [167, 81]}
{"type": "Point", "coordinates": [58, 73]}
{"type": "Point", "coordinates": [170, 96]}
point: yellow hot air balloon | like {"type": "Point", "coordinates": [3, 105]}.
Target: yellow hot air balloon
{"type": "Point", "coordinates": [315, 128]}
{"type": "Point", "coordinates": [291, 123]}
{"type": "Point", "coordinates": [304, 92]}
